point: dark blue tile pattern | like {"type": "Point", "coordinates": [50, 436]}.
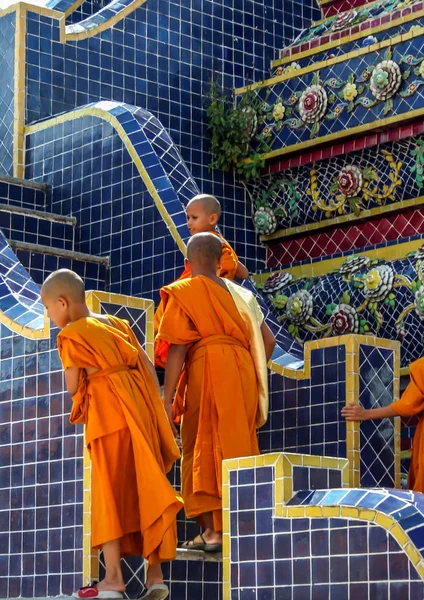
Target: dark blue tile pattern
{"type": "Point", "coordinates": [311, 558]}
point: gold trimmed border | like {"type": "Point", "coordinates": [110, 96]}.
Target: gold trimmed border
{"type": "Point", "coordinates": [325, 266]}
{"type": "Point", "coordinates": [94, 298]}
{"type": "Point", "coordinates": [101, 113]}
{"type": "Point", "coordinates": [283, 481]}
{"type": "Point", "coordinates": [350, 218]}
{"type": "Point", "coordinates": [27, 332]}
{"type": "Point", "coordinates": [349, 38]}
{"type": "Point", "coordinates": [340, 135]}
{"type": "Point", "coordinates": [352, 344]}
{"type": "Point", "coordinates": [397, 39]}
{"type": "Point", "coordinates": [82, 35]}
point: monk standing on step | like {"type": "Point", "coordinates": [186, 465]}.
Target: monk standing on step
{"type": "Point", "coordinates": [203, 213]}
{"type": "Point", "coordinates": [212, 331]}
{"type": "Point", "coordinates": [115, 393]}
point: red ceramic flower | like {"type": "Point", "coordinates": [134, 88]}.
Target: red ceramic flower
{"type": "Point", "coordinates": [340, 323]}
{"type": "Point", "coordinates": [350, 181]}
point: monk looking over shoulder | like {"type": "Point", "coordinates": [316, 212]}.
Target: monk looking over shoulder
{"type": "Point", "coordinates": [410, 404]}
{"type": "Point", "coordinates": [213, 333]}
{"type": "Point", "coordinates": [203, 213]}
{"type": "Point", "coordinates": [115, 393]}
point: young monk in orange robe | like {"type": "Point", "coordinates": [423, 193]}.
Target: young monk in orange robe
{"type": "Point", "coordinates": [411, 403]}
{"type": "Point", "coordinates": [116, 395]}
{"type": "Point", "coordinates": [203, 213]}
{"type": "Point", "coordinates": [213, 331]}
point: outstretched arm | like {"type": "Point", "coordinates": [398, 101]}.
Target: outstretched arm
{"type": "Point", "coordinates": [356, 412]}
{"type": "Point", "coordinates": [174, 365]}
{"type": "Point", "coordinates": [269, 340]}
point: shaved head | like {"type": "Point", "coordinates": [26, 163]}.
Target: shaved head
{"type": "Point", "coordinates": [210, 204]}
{"type": "Point", "coordinates": [204, 249]}
{"type": "Point", "coordinates": [64, 283]}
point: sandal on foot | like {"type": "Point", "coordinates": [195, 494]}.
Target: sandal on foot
{"type": "Point", "coordinates": [158, 591]}
{"type": "Point", "coordinates": [91, 591]}
{"type": "Point", "coordinates": [193, 545]}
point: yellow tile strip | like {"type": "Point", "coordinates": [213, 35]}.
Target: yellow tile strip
{"type": "Point", "coordinates": [283, 480]}
{"type": "Point", "coordinates": [351, 38]}
{"type": "Point", "coordinates": [94, 303]}
{"type": "Point", "coordinates": [34, 334]}
{"type": "Point", "coordinates": [352, 344]}
{"type": "Point", "coordinates": [339, 135]}
{"type": "Point", "coordinates": [325, 266]}
{"type": "Point", "coordinates": [322, 64]}
{"type": "Point", "coordinates": [67, 35]}
{"type": "Point", "coordinates": [19, 92]}
{"type": "Point", "coordinates": [102, 113]}
{"type": "Point", "coordinates": [350, 218]}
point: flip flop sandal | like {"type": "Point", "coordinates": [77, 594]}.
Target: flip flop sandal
{"type": "Point", "coordinates": [158, 591]}
{"type": "Point", "coordinates": [191, 545]}
{"type": "Point", "coordinates": [91, 591]}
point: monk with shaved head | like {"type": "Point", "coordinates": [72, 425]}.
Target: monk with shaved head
{"type": "Point", "coordinates": [215, 345]}
{"type": "Point", "coordinates": [115, 393]}
{"type": "Point", "coordinates": [203, 213]}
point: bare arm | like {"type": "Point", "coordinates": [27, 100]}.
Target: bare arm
{"type": "Point", "coordinates": [269, 340]}
{"type": "Point", "coordinates": [150, 367]}
{"type": "Point", "coordinates": [72, 375]}
{"type": "Point", "coordinates": [174, 365]}
{"type": "Point", "coordinates": [355, 412]}
{"type": "Point", "coordinates": [242, 272]}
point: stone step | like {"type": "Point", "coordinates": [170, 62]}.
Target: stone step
{"type": "Point", "coordinates": [22, 192]}
{"type": "Point", "coordinates": [41, 260]}
{"type": "Point", "coordinates": [22, 224]}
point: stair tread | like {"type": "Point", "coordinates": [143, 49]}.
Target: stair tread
{"type": "Point", "coordinates": [71, 254]}
{"type": "Point", "coordinates": [39, 214]}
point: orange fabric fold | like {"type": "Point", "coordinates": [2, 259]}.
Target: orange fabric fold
{"type": "Point", "coordinates": [128, 435]}
{"type": "Point", "coordinates": [229, 264]}
{"type": "Point", "coordinates": [219, 402]}
{"type": "Point", "coordinates": [412, 403]}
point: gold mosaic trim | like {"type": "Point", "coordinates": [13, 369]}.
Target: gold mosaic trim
{"type": "Point", "coordinates": [27, 332]}
{"type": "Point", "coordinates": [95, 111]}
{"type": "Point", "coordinates": [352, 344]}
{"type": "Point", "coordinates": [94, 300]}
{"type": "Point", "coordinates": [283, 480]}
{"type": "Point", "coordinates": [283, 473]}
{"type": "Point", "coordinates": [350, 218]}
{"type": "Point", "coordinates": [346, 133]}
{"type": "Point", "coordinates": [327, 265]}
{"type": "Point", "coordinates": [322, 64]}
{"type": "Point", "coordinates": [351, 38]}
{"type": "Point", "coordinates": [82, 35]}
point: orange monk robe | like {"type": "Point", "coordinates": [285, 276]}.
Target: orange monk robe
{"type": "Point", "coordinates": [229, 264]}
{"type": "Point", "coordinates": [128, 436]}
{"type": "Point", "coordinates": [412, 403]}
{"type": "Point", "coordinates": [220, 403]}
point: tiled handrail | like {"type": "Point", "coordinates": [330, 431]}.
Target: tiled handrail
{"type": "Point", "coordinates": [21, 308]}
{"type": "Point", "coordinates": [105, 18]}
{"type": "Point", "coordinates": [169, 182]}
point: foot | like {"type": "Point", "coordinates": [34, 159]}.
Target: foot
{"type": "Point", "coordinates": [154, 576]}
{"type": "Point", "coordinates": [110, 585]}
{"type": "Point", "coordinates": [212, 537]}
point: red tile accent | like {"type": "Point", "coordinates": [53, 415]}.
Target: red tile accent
{"type": "Point", "coordinates": [346, 237]}
{"type": "Point", "coordinates": [367, 141]}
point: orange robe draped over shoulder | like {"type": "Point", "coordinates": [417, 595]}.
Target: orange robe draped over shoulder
{"type": "Point", "coordinates": [129, 438]}
{"type": "Point", "coordinates": [229, 264]}
{"type": "Point", "coordinates": [220, 395]}
{"type": "Point", "coordinates": [412, 403]}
